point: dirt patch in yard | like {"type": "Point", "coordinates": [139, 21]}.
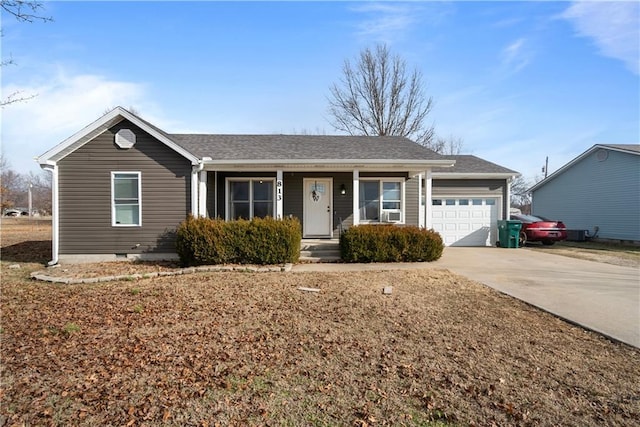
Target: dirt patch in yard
{"type": "Point", "coordinates": [616, 254]}
{"type": "Point", "coordinates": [252, 349]}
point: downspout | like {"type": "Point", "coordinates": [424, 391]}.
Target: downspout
{"type": "Point", "coordinates": [55, 214]}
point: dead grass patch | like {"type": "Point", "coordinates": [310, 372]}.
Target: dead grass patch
{"type": "Point", "coordinates": [251, 349]}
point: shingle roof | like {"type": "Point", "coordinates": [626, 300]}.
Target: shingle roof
{"type": "Point", "coordinates": [626, 147]}
{"type": "Point", "coordinates": [471, 164]}
{"type": "Point", "coordinates": [303, 147]}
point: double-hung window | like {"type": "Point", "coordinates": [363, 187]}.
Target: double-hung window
{"type": "Point", "coordinates": [125, 199]}
{"type": "Point", "coordinates": [250, 198]}
{"type": "Point", "coordinates": [381, 200]}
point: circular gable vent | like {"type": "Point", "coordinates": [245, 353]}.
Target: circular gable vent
{"type": "Point", "coordinates": [602, 155]}
{"type": "Point", "coordinates": [125, 138]}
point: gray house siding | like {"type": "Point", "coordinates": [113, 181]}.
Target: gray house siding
{"type": "Point", "coordinates": [472, 187]}
{"type": "Point", "coordinates": [411, 204]}
{"type": "Point", "coordinates": [85, 196]}
{"type": "Point", "coordinates": [342, 204]}
{"type": "Point", "coordinates": [595, 193]}
{"type": "Point", "coordinates": [293, 194]}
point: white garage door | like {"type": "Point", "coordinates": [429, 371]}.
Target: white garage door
{"type": "Point", "coordinates": [465, 221]}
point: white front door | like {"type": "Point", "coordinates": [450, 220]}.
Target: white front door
{"type": "Point", "coordinates": [318, 207]}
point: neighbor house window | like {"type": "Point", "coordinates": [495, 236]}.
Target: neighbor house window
{"type": "Point", "coordinates": [250, 198]}
{"type": "Point", "coordinates": [125, 199]}
{"type": "Point", "coordinates": [381, 200]}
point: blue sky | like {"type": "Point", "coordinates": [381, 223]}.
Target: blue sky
{"type": "Point", "coordinates": [516, 81]}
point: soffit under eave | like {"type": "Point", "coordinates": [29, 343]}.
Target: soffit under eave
{"type": "Point", "coordinates": [324, 167]}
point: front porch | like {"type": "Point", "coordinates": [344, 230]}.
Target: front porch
{"type": "Point", "coordinates": [325, 202]}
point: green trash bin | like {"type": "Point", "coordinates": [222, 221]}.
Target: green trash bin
{"type": "Point", "coordinates": [508, 233]}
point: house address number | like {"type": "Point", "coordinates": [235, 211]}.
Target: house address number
{"type": "Point", "coordinates": [279, 190]}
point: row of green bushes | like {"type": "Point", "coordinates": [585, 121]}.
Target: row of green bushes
{"type": "Point", "coordinates": [389, 243]}
{"type": "Point", "coordinates": [201, 241]}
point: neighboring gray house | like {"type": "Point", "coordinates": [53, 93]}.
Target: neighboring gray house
{"type": "Point", "coordinates": [121, 186]}
{"type": "Point", "coordinates": [599, 188]}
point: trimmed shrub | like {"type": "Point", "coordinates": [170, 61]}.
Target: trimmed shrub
{"type": "Point", "coordinates": [259, 241]}
{"type": "Point", "coordinates": [389, 243]}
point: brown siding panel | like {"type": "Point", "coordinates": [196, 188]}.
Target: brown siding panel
{"type": "Point", "coordinates": [85, 195]}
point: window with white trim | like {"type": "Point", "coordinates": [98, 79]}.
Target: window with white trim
{"type": "Point", "coordinates": [125, 199]}
{"type": "Point", "coordinates": [250, 198]}
{"type": "Point", "coordinates": [381, 200]}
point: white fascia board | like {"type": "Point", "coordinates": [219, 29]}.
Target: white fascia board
{"type": "Point", "coordinates": [94, 129]}
{"type": "Point", "coordinates": [618, 149]}
{"type": "Point", "coordinates": [328, 164]}
{"type": "Point", "coordinates": [451, 175]}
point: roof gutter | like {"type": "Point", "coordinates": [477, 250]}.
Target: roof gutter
{"type": "Point", "coordinates": [432, 163]}
{"type": "Point", "coordinates": [411, 165]}
{"type": "Point", "coordinates": [491, 175]}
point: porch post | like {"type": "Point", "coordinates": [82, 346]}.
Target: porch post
{"type": "Point", "coordinates": [202, 194]}
{"type": "Point", "coordinates": [279, 195]}
{"type": "Point", "coordinates": [421, 206]}
{"type": "Point", "coordinates": [356, 197]}
{"type": "Point", "coordinates": [505, 215]}
{"type": "Point", "coordinates": [194, 189]}
{"type": "Point", "coordinates": [427, 199]}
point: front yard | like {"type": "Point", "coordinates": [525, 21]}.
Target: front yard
{"type": "Point", "coordinates": [239, 348]}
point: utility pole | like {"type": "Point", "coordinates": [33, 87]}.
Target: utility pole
{"type": "Point", "coordinates": [545, 168]}
{"type": "Point", "coordinates": [30, 201]}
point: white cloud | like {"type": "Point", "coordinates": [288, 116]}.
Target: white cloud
{"type": "Point", "coordinates": [64, 104]}
{"type": "Point", "coordinates": [388, 21]}
{"type": "Point", "coordinates": [516, 56]}
{"type": "Point", "coordinates": [385, 20]}
{"type": "Point", "coordinates": [614, 27]}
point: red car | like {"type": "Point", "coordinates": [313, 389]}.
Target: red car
{"type": "Point", "coordinates": [537, 229]}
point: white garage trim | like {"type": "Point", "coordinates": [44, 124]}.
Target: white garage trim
{"type": "Point", "coordinates": [467, 220]}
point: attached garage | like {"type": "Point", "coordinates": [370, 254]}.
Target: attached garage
{"type": "Point", "coordinates": [465, 221]}
{"type": "Point", "coordinates": [468, 200]}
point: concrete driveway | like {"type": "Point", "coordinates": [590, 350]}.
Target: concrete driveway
{"type": "Point", "coordinates": [598, 296]}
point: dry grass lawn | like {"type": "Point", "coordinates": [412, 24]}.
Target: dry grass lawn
{"type": "Point", "coordinates": [238, 348]}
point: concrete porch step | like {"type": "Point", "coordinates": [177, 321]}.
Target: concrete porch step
{"type": "Point", "coordinates": [314, 251]}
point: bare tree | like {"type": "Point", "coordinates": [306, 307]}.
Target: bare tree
{"type": "Point", "coordinates": [520, 196]}
{"type": "Point", "coordinates": [23, 11]}
{"type": "Point", "coordinates": [11, 184]}
{"type": "Point", "coordinates": [14, 188]}
{"type": "Point", "coordinates": [41, 184]}
{"type": "Point", "coordinates": [377, 96]}
{"type": "Point", "coordinates": [133, 110]}
{"type": "Point", "coordinates": [447, 145]}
